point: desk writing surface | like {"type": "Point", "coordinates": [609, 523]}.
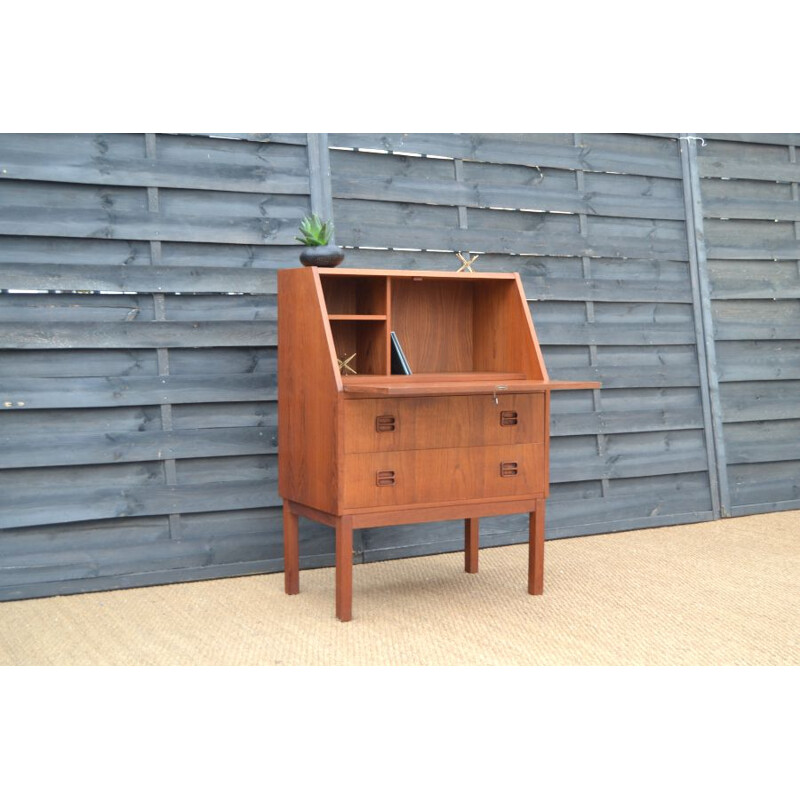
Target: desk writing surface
{"type": "Point", "coordinates": [465, 383]}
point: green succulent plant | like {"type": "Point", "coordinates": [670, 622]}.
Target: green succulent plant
{"type": "Point", "coordinates": [315, 232]}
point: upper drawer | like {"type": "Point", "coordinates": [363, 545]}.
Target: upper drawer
{"type": "Point", "coordinates": [421, 423]}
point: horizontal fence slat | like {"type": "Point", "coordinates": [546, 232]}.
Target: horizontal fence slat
{"type": "Point", "coordinates": [509, 241]}
{"type": "Point", "coordinates": [767, 280]}
{"type": "Point", "coordinates": [564, 470]}
{"type": "Point", "coordinates": [83, 363]}
{"type": "Point", "coordinates": [21, 251]}
{"type": "Point", "coordinates": [43, 541]}
{"type": "Point", "coordinates": [765, 251]}
{"type": "Point", "coordinates": [767, 371]}
{"type": "Point", "coordinates": [32, 221]}
{"type": "Point", "coordinates": [132, 419]}
{"type": "Point", "coordinates": [41, 450]}
{"type": "Point", "coordinates": [506, 150]}
{"type": "Point", "coordinates": [133, 334]}
{"type": "Point", "coordinates": [40, 393]}
{"type": "Point", "coordinates": [715, 167]}
{"type": "Point", "coordinates": [758, 138]}
{"type": "Point", "coordinates": [742, 360]}
{"type": "Point", "coordinates": [283, 138]}
{"type": "Point", "coordinates": [610, 334]}
{"type": "Point", "coordinates": [757, 484]}
{"type": "Point", "coordinates": [71, 277]}
{"type": "Point", "coordinates": [751, 239]}
{"type": "Point", "coordinates": [50, 541]}
{"type": "Point", "coordinates": [259, 175]}
{"type": "Point", "coordinates": [552, 277]}
{"type": "Point", "coordinates": [735, 208]}
{"type": "Point", "coordinates": [764, 508]}
{"type": "Point", "coordinates": [630, 377]}
{"type": "Point", "coordinates": [153, 577]}
{"type": "Point", "coordinates": [24, 507]}
{"type": "Point", "coordinates": [728, 331]}
{"type": "Point", "coordinates": [600, 290]}
{"type": "Point", "coordinates": [762, 452]}
{"type": "Point", "coordinates": [635, 523]}
{"type": "Point", "coordinates": [743, 402]}
{"type": "Point", "coordinates": [624, 422]}
{"type": "Point", "coordinates": [31, 208]}
{"type": "Point", "coordinates": [46, 308]}
{"type": "Point", "coordinates": [452, 193]}
{"type": "Point", "coordinates": [120, 160]}
{"type": "Point", "coordinates": [101, 561]}
{"type": "Point", "coordinates": [654, 505]}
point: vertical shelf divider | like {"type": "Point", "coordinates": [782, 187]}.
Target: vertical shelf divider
{"type": "Point", "coordinates": [388, 325]}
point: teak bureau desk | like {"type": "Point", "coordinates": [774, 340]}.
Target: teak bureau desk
{"type": "Point", "coordinates": [465, 435]}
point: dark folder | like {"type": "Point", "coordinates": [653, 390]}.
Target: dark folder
{"type": "Point", "coordinates": [399, 361]}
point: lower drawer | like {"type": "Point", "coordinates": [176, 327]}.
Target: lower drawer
{"type": "Point", "coordinates": [432, 476]}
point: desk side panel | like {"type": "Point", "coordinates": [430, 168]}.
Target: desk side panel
{"type": "Point", "coordinates": [308, 389]}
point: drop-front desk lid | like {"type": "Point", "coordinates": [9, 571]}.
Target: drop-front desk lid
{"type": "Point", "coordinates": [422, 384]}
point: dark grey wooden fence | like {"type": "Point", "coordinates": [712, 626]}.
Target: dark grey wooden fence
{"type": "Point", "coordinates": [139, 435]}
{"type": "Point", "coordinates": [595, 225]}
{"type": "Point", "coordinates": [751, 249]}
{"type": "Point", "coordinates": [138, 338]}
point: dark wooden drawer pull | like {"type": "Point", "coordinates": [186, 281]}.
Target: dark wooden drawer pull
{"type": "Point", "coordinates": [384, 477]}
{"type": "Point", "coordinates": [508, 469]}
{"type": "Point", "coordinates": [508, 418]}
{"type": "Point", "coordinates": [384, 423]}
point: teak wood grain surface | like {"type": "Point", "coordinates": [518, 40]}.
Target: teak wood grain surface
{"type": "Point", "coordinates": [465, 435]}
{"type": "Point", "coordinates": [418, 423]}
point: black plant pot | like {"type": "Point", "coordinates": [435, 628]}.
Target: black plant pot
{"type": "Point", "coordinates": [327, 255]}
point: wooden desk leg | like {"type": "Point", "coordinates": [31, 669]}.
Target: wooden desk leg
{"type": "Point", "coordinates": [344, 568]}
{"type": "Point", "coordinates": [536, 550]}
{"type": "Point", "coordinates": [291, 551]}
{"type": "Point", "coordinates": [471, 544]}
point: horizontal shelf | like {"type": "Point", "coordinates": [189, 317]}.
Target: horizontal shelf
{"type": "Point", "coordinates": [357, 317]}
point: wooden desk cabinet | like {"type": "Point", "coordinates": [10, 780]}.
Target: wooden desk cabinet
{"type": "Point", "coordinates": [465, 435]}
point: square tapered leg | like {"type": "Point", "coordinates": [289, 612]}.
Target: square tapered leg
{"type": "Point", "coordinates": [536, 550]}
{"type": "Point", "coordinates": [344, 568]}
{"type": "Point", "coordinates": [471, 545]}
{"type": "Point", "coordinates": [291, 551]}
